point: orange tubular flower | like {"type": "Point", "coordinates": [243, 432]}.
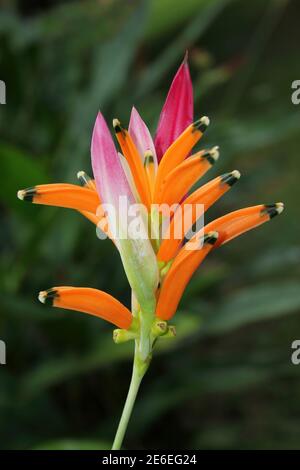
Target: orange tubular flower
{"type": "Point", "coordinates": [91, 301]}
{"type": "Point", "coordinates": [181, 271]}
{"type": "Point", "coordinates": [180, 180]}
{"type": "Point", "coordinates": [206, 195]}
{"type": "Point", "coordinates": [158, 263]}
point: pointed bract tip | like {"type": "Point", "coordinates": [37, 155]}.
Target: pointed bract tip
{"type": "Point", "coordinates": [210, 237]}
{"type": "Point", "coordinates": [201, 124]}
{"type": "Point", "coordinates": [274, 209]}
{"type": "Point", "coordinates": [186, 57]}
{"type": "Point", "coordinates": [231, 178]}
{"type": "Point", "coordinates": [117, 125]}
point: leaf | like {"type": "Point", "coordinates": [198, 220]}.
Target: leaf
{"type": "Point", "coordinates": [257, 303]}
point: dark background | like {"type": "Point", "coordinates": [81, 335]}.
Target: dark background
{"type": "Point", "coordinates": [227, 380]}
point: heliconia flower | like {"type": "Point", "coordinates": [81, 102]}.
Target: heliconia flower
{"type": "Point", "coordinates": [128, 200]}
{"type": "Point", "coordinates": [136, 176]}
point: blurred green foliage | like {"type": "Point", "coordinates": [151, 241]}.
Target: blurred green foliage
{"type": "Point", "coordinates": [227, 380]}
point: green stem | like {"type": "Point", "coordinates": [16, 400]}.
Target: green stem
{"type": "Point", "coordinates": [138, 372]}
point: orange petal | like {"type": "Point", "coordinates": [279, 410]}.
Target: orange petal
{"type": "Point", "coordinates": [92, 301]}
{"type": "Point", "coordinates": [131, 154]}
{"type": "Point", "coordinates": [62, 195]}
{"type": "Point", "coordinates": [185, 175]}
{"type": "Point", "coordinates": [177, 278]}
{"type": "Point", "coordinates": [179, 150]}
{"type": "Point", "coordinates": [238, 222]}
{"type": "Point", "coordinates": [188, 212]}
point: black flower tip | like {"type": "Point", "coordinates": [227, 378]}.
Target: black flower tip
{"type": "Point", "coordinates": [274, 209]}
{"type": "Point", "coordinates": [148, 157]}
{"type": "Point", "coordinates": [83, 178]}
{"type": "Point", "coordinates": [201, 124]}
{"type": "Point", "coordinates": [27, 194]}
{"type": "Point", "coordinates": [117, 125]}
{"type": "Point", "coordinates": [48, 296]}
{"type": "Point", "coordinates": [211, 238]}
{"type": "Point", "coordinates": [212, 155]}
{"type": "Point", "coordinates": [231, 178]}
